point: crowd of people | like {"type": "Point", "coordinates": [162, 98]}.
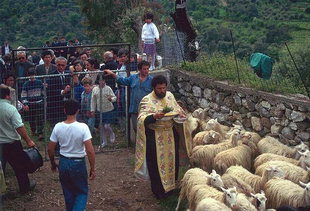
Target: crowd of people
{"type": "Point", "coordinates": [76, 91]}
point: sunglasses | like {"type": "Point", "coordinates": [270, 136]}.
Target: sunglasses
{"type": "Point", "coordinates": [20, 58]}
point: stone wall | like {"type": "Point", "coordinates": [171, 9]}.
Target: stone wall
{"type": "Point", "coordinates": [265, 113]}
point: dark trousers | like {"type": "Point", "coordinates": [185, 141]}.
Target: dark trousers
{"type": "Point", "coordinates": [151, 159]}
{"type": "Point", "coordinates": [13, 154]}
{"type": "Point", "coordinates": [36, 117]}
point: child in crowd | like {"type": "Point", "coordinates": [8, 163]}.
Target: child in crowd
{"type": "Point", "coordinates": [101, 101]}
{"type": "Point", "coordinates": [133, 62]}
{"type": "Point", "coordinates": [149, 36]}
{"type": "Point", "coordinates": [86, 96]}
{"type": "Point", "coordinates": [32, 96]}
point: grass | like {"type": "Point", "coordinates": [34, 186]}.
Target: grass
{"type": "Point", "coordinates": [223, 67]}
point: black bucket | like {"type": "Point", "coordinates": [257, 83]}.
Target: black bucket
{"type": "Point", "coordinates": [35, 160]}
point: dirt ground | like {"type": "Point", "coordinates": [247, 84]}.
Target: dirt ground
{"type": "Point", "coordinates": [115, 187]}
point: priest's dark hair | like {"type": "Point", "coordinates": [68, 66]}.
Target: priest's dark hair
{"type": "Point", "coordinates": [159, 79]}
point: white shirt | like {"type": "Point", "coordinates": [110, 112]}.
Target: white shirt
{"type": "Point", "coordinates": [102, 104]}
{"type": "Point", "coordinates": [149, 33]}
{"type": "Point", "coordinates": [71, 138]}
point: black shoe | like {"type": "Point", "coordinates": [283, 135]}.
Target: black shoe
{"type": "Point", "coordinates": [32, 185]}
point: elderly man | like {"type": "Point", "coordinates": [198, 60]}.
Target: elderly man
{"type": "Point", "coordinates": [58, 90]}
{"type": "Point", "coordinates": [46, 68]}
{"type": "Point", "coordinates": [21, 68]}
{"type": "Point", "coordinates": [157, 146]}
{"type": "Point", "coordinates": [111, 65]}
{"type": "Point", "coordinates": [12, 129]}
{"type": "Point", "coordinates": [140, 86]}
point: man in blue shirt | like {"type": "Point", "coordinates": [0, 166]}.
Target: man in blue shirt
{"type": "Point", "coordinates": [140, 86]}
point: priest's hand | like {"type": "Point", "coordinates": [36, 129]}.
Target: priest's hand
{"type": "Point", "coordinates": [158, 115]}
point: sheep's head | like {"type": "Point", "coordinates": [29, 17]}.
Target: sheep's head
{"type": "Point", "coordinates": [212, 124]}
{"type": "Point", "coordinates": [235, 136]}
{"type": "Point", "coordinates": [212, 137]}
{"type": "Point", "coordinates": [304, 158]}
{"type": "Point", "coordinates": [198, 113]}
{"type": "Point", "coordinates": [230, 196]}
{"type": "Point", "coordinates": [306, 186]}
{"type": "Point", "coordinates": [216, 180]}
{"type": "Point", "coordinates": [260, 200]}
{"type": "Point", "coordinates": [302, 147]}
{"type": "Point", "coordinates": [274, 171]}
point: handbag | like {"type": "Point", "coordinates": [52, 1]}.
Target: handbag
{"type": "Point", "coordinates": [34, 159]}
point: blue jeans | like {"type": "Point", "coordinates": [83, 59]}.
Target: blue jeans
{"type": "Point", "coordinates": [73, 179]}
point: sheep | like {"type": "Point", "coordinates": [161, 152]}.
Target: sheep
{"type": "Point", "coordinates": [291, 172]}
{"type": "Point", "coordinates": [253, 180]}
{"type": "Point", "coordinates": [207, 137]}
{"type": "Point", "coordinates": [282, 192]}
{"type": "Point", "coordinates": [302, 147]}
{"type": "Point", "coordinates": [192, 177]}
{"type": "Point", "coordinates": [227, 180]}
{"type": "Point", "coordinates": [211, 205]}
{"type": "Point", "coordinates": [272, 145]}
{"type": "Point", "coordinates": [203, 156]}
{"type": "Point", "coordinates": [200, 192]}
{"type": "Point", "coordinates": [251, 139]}
{"type": "Point", "coordinates": [243, 203]}
{"type": "Point", "coordinates": [239, 155]}
{"type": "Point", "coordinates": [260, 200]}
{"type": "Point", "coordinates": [213, 124]}
{"type": "Point", "coordinates": [303, 161]}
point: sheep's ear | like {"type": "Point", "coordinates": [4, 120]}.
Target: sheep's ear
{"type": "Point", "coordinates": [213, 135]}
{"type": "Point", "coordinates": [208, 176]}
{"type": "Point", "coordinates": [253, 195]}
{"type": "Point", "coordinates": [302, 184]}
{"type": "Point", "coordinates": [234, 188]}
{"type": "Point", "coordinates": [213, 171]}
{"type": "Point", "coordinates": [308, 168]}
{"type": "Point", "coordinates": [262, 192]}
{"type": "Point", "coordinates": [223, 189]}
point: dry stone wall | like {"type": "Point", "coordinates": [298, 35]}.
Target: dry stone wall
{"type": "Point", "coordinates": [287, 117]}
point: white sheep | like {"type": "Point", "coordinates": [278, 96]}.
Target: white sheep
{"type": "Point", "coordinates": [291, 172]}
{"type": "Point", "coordinates": [200, 192]}
{"type": "Point", "coordinates": [209, 204]}
{"type": "Point", "coordinates": [202, 156]}
{"type": "Point", "coordinates": [213, 124]}
{"type": "Point", "coordinates": [253, 180]}
{"type": "Point", "coordinates": [227, 180]}
{"type": "Point", "coordinates": [192, 177]}
{"type": "Point", "coordinates": [260, 200]}
{"type": "Point", "coordinates": [272, 145]}
{"type": "Point", "coordinates": [281, 192]}
{"type": "Point", "coordinates": [239, 155]}
{"type": "Point", "coordinates": [243, 203]}
{"type": "Point", "coordinates": [207, 137]}
{"type": "Point", "coordinates": [303, 161]}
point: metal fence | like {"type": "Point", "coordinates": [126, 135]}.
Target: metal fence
{"type": "Point", "coordinates": [43, 97]}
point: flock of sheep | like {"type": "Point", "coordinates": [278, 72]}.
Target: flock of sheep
{"type": "Point", "coordinates": [223, 159]}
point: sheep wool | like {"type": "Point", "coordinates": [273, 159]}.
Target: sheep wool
{"type": "Point", "coordinates": [211, 205]}
{"type": "Point", "coordinates": [272, 145]}
{"type": "Point", "coordinates": [281, 192]}
{"type": "Point", "coordinates": [291, 172]}
{"type": "Point", "coordinates": [243, 204]}
{"type": "Point", "coordinates": [207, 137]}
{"type": "Point", "coordinates": [200, 192]}
{"type": "Point", "coordinates": [265, 157]}
{"type": "Point", "coordinates": [253, 180]}
{"type": "Point", "coordinates": [203, 156]}
{"type": "Point", "coordinates": [240, 155]}
{"type": "Point", "coordinates": [192, 177]}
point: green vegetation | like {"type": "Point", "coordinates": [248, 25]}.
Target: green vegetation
{"type": "Point", "coordinates": [31, 23]}
{"type": "Point", "coordinates": [223, 67]}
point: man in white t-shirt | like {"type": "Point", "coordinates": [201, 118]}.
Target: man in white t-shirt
{"type": "Point", "coordinates": [75, 142]}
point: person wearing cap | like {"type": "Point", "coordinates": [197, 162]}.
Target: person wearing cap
{"type": "Point", "coordinates": [46, 68]}
{"type": "Point", "coordinates": [11, 130]}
